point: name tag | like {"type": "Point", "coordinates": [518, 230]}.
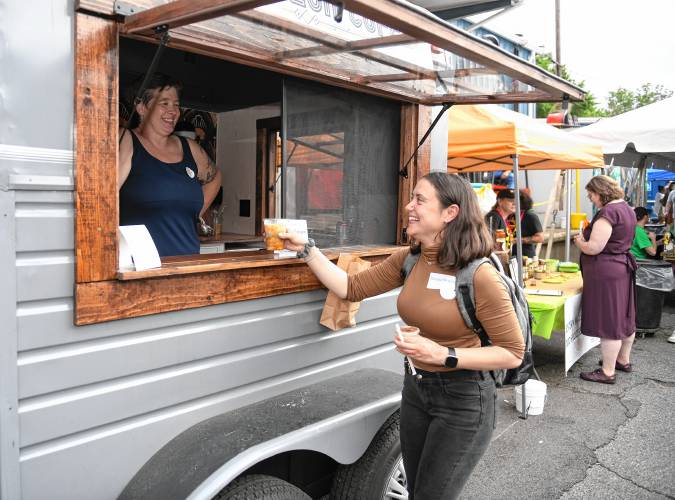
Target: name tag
{"type": "Point", "coordinates": [443, 283]}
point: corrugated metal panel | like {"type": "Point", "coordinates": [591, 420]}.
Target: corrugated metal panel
{"type": "Point", "coordinates": [9, 418]}
{"type": "Point", "coordinates": [133, 440]}
{"type": "Point", "coordinates": [47, 323]}
{"type": "Point", "coordinates": [75, 410]}
{"type": "Point", "coordinates": [55, 368]}
{"type": "Point", "coordinates": [45, 235]}
{"type": "Point", "coordinates": [44, 275]}
{"type": "Point", "coordinates": [45, 223]}
{"type": "Point", "coordinates": [33, 169]}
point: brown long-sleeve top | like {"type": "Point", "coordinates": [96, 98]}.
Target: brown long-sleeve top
{"type": "Point", "coordinates": [437, 318]}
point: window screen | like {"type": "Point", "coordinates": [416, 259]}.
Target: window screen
{"type": "Point", "coordinates": [341, 163]}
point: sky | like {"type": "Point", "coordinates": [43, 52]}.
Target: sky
{"type": "Point", "coordinates": [606, 43]}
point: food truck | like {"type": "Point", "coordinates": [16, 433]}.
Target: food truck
{"type": "Point", "coordinates": [212, 370]}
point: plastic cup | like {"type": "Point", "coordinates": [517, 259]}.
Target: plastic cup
{"type": "Point", "coordinates": [272, 229]}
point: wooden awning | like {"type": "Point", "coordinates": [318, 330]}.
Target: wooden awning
{"type": "Point", "coordinates": [383, 47]}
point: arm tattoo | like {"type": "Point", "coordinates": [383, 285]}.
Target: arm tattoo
{"type": "Point", "coordinates": [209, 172]}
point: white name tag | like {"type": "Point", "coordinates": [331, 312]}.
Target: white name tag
{"type": "Point", "coordinates": [438, 281]}
{"type": "Point", "coordinates": [443, 283]}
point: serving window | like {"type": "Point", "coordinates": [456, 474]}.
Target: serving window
{"type": "Point", "coordinates": [341, 151]}
{"type": "Point", "coordinates": [286, 147]}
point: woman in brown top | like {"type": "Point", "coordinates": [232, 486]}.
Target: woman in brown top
{"type": "Point", "coordinates": [448, 411]}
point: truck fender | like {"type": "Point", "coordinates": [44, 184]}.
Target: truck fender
{"type": "Point", "coordinates": [337, 417]}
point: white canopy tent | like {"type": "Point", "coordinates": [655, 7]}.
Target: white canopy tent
{"type": "Point", "coordinates": [642, 138]}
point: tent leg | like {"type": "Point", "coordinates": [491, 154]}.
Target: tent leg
{"type": "Point", "coordinates": [549, 208]}
{"type": "Point", "coordinates": [519, 235]}
{"type": "Point", "coordinates": [558, 192]}
{"type": "Point", "coordinates": [568, 214]}
{"type": "Point", "coordinates": [641, 194]}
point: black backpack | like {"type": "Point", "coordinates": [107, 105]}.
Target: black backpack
{"type": "Point", "coordinates": [466, 303]}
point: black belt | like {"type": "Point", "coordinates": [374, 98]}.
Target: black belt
{"type": "Point", "coordinates": [448, 375]}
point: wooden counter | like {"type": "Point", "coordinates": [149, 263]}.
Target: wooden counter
{"type": "Point", "coordinates": [245, 259]}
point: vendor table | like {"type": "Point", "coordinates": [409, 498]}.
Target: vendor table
{"type": "Point", "coordinates": [561, 313]}
{"type": "Point", "coordinates": [549, 312]}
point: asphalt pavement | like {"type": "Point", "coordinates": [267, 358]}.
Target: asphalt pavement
{"type": "Point", "coordinates": [593, 440]}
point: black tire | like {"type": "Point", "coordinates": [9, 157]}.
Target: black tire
{"type": "Point", "coordinates": [368, 478]}
{"type": "Point", "coordinates": [261, 487]}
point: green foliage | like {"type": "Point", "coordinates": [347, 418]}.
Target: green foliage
{"type": "Point", "coordinates": [622, 100]}
{"type": "Point", "coordinates": [587, 107]}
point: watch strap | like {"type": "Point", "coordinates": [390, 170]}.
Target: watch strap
{"type": "Point", "coordinates": [302, 254]}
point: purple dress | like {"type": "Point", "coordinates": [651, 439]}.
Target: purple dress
{"type": "Point", "coordinates": [608, 298]}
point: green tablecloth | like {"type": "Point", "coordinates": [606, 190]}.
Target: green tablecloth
{"type": "Point", "coordinates": [548, 315]}
{"type": "Point", "coordinates": [549, 312]}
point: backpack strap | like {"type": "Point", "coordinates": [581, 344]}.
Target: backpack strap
{"type": "Point", "coordinates": [463, 289]}
{"type": "Point", "coordinates": [409, 262]}
{"type": "Point", "coordinates": [466, 300]}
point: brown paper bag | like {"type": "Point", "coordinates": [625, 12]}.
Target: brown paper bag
{"type": "Point", "coordinates": [340, 313]}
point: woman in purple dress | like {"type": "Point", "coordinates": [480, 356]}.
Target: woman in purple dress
{"type": "Point", "coordinates": [608, 268]}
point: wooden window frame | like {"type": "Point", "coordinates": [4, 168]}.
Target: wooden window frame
{"type": "Point", "coordinates": [101, 293]}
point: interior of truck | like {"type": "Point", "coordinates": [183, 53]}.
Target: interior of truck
{"type": "Point", "coordinates": [241, 116]}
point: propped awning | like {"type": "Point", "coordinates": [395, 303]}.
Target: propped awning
{"type": "Point", "coordinates": [389, 48]}
{"type": "Point", "coordinates": [483, 138]}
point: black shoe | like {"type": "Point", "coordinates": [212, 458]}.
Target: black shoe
{"type": "Point", "coordinates": [598, 376]}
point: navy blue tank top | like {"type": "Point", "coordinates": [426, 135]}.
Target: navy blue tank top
{"type": "Point", "coordinates": [166, 197]}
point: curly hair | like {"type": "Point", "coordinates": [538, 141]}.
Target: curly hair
{"type": "Point", "coordinates": [526, 202]}
{"type": "Point", "coordinates": [606, 188]}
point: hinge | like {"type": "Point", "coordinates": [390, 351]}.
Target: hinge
{"type": "Point", "coordinates": [125, 8]}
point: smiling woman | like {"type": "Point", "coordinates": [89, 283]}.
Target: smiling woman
{"type": "Point", "coordinates": [448, 396]}
{"type": "Point", "coordinates": [165, 182]}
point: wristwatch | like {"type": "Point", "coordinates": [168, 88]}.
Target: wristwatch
{"type": "Point", "coordinates": [302, 254]}
{"type": "Point", "coordinates": [451, 360]}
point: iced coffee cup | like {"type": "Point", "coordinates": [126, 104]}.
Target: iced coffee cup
{"type": "Point", "coordinates": [272, 229]}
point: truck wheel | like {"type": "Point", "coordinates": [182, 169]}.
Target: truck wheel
{"type": "Point", "coordinates": [379, 473]}
{"type": "Point", "coordinates": [261, 487]}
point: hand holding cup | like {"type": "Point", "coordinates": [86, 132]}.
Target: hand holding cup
{"type": "Point", "coordinates": [293, 241]}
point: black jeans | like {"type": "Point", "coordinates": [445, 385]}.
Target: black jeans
{"type": "Point", "coordinates": [447, 421]}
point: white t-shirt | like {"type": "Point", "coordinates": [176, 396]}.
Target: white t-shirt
{"type": "Point", "coordinates": [658, 207]}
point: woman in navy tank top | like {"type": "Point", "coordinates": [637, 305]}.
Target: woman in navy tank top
{"type": "Point", "coordinates": [165, 182]}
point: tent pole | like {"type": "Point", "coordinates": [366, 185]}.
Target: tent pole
{"type": "Point", "coordinates": [519, 235]}
{"type": "Point", "coordinates": [549, 209]}
{"type": "Point", "coordinates": [577, 188]}
{"type": "Point", "coordinates": [568, 208]}
{"type": "Point", "coordinates": [641, 195]}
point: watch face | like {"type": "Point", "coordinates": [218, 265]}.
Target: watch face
{"type": "Point", "coordinates": [451, 360]}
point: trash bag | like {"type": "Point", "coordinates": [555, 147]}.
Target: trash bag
{"type": "Point", "coordinates": [654, 275]}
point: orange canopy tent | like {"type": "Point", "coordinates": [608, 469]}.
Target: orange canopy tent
{"type": "Point", "coordinates": [485, 137]}
{"type": "Point", "coordinates": [489, 137]}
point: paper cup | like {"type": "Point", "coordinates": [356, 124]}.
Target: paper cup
{"type": "Point", "coordinates": [409, 331]}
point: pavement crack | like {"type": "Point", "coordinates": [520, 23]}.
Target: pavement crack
{"type": "Point", "coordinates": [662, 383]}
{"type": "Point", "coordinates": [655, 492]}
{"type": "Point", "coordinates": [586, 473]}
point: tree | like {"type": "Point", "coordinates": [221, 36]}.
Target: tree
{"type": "Point", "coordinates": [587, 107]}
{"type": "Point", "coordinates": [621, 100]}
